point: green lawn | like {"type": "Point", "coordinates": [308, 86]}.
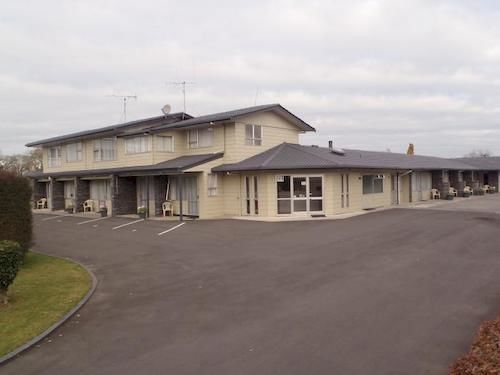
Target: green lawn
{"type": "Point", "coordinates": [45, 289]}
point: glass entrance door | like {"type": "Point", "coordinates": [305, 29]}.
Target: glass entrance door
{"type": "Point", "coordinates": [299, 189]}
{"type": "Point", "coordinates": [299, 194]}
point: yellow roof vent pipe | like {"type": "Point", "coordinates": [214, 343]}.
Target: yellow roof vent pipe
{"type": "Point", "coordinates": [411, 149]}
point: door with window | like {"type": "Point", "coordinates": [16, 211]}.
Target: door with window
{"type": "Point", "coordinates": [251, 195]}
{"type": "Point", "coordinates": [191, 195]}
{"type": "Point", "coordinates": [69, 194]}
{"type": "Point", "coordinates": [299, 194]}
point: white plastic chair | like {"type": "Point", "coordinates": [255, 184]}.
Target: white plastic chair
{"type": "Point", "coordinates": [41, 203]}
{"type": "Point", "coordinates": [167, 207]}
{"type": "Point", "coordinates": [453, 191]}
{"type": "Point", "coordinates": [435, 194]}
{"type": "Point", "coordinates": [88, 205]}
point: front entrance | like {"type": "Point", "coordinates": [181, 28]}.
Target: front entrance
{"type": "Point", "coordinates": [421, 185]}
{"type": "Point", "coordinates": [299, 194]}
{"type": "Point", "coordinates": [191, 195]}
{"type": "Point", "coordinates": [69, 194]}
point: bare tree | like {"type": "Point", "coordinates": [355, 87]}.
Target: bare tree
{"type": "Point", "coordinates": [30, 161]}
{"type": "Point", "coordinates": [478, 154]}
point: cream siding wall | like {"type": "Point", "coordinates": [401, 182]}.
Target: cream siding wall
{"type": "Point", "coordinates": [218, 143]}
{"type": "Point", "coordinates": [276, 130]}
{"type": "Point", "coordinates": [332, 204]}
{"type": "Point", "coordinates": [180, 142]}
{"type": "Point", "coordinates": [228, 138]}
{"type": "Point", "coordinates": [122, 159]}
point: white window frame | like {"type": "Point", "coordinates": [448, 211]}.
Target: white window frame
{"type": "Point", "coordinates": [307, 198]}
{"type": "Point", "coordinates": [54, 161]}
{"type": "Point", "coordinates": [78, 152]}
{"type": "Point", "coordinates": [99, 150]}
{"type": "Point", "coordinates": [212, 184]}
{"type": "Point", "coordinates": [195, 143]}
{"type": "Point", "coordinates": [134, 145]}
{"type": "Point", "coordinates": [160, 138]}
{"type": "Point", "coordinates": [374, 177]}
{"type": "Point", "coordinates": [254, 141]}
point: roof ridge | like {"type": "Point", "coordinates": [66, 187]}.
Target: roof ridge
{"type": "Point", "coordinates": [302, 148]}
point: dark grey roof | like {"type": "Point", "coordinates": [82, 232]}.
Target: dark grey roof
{"type": "Point", "coordinates": [294, 156]}
{"type": "Point", "coordinates": [491, 163]}
{"type": "Point", "coordinates": [233, 115]}
{"type": "Point", "coordinates": [113, 130]}
{"type": "Point", "coordinates": [176, 165]}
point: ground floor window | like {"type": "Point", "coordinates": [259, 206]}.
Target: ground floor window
{"type": "Point", "coordinates": [100, 190]}
{"type": "Point", "coordinates": [212, 184]}
{"type": "Point", "coordinates": [373, 184]}
{"type": "Point", "coordinates": [297, 194]}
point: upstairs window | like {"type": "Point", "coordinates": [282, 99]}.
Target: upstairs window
{"type": "Point", "coordinates": [253, 135]}
{"type": "Point", "coordinates": [373, 184]}
{"type": "Point", "coordinates": [105, 149]}
{"type": "Point", "coordinates": [165, 143]}
{"type": "Point", "coordinates": [74, 152]}
{"type": "Point", "coordinates": [212, 184]}
{"type": "Point", "coordinates": [54, 156]}
{"type": "Point", "coordinates": [198, 138]}
{"type": "Point", "coordinates": [138, 145]}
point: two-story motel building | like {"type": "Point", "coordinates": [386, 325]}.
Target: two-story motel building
{"type": "Point", "coordinates": [246, 162]}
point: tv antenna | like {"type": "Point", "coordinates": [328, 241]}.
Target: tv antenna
{"type": "Point", "coordinates": [125, 99]}
{"type": "Point", "coordinates": [183, 84]}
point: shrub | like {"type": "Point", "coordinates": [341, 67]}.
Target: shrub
{"type": "Point", "coordinates": [11, 255]}
{"type": "Point", "coordinates": [15, 209]}
{"type": "Point", "coordinates": [484, 355]}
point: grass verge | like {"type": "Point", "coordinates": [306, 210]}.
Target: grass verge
{"type": "Point", "coordinates": [45, 289]}
{"type": "Point", "coordinates": [484, 355]}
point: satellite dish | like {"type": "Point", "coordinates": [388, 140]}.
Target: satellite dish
{"type": "Point", "coordinates": [166, 109]}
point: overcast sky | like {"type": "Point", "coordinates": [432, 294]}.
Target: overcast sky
{"type": "Point", "coordinates": [369, 74]}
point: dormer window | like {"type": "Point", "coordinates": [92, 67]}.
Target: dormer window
{"type": "Point", "coordinates": [54, 156]}
{"type": "Point", "coordinates": [253, 135]}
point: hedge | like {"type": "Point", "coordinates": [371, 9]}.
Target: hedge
{"type": "Point", "coordinates": [15, 209]}
{"type": "Point", "coordinates": [11, 255]}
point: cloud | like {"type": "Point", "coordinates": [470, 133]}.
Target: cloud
{"type": "Point", "coordinates": [376, 74]}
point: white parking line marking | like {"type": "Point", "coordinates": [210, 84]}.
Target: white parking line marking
{"type": "Point", "coordinates": [124, 225]}
{"type": "Point", "coordinates": [54, 217]}
{"type": "Point", "coordinates": [90, 221]}
{"type": "Point", "coordinates": [171, 229]}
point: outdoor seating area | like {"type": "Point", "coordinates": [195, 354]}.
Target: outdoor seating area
{"type": "Point", "coordinates": [88, 206]}
{"type": "Point", "coordinates": [41, 204]}
{"type": "Point", "coordinates": [435, 194]}
{"type": "Point", "coordinates": [167, 208]}
{"type": "Point", "coordinates": [489, 189]}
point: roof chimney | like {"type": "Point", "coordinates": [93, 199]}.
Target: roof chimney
{"type": "Point", "coordinates": [330, 144]}
{"type": "Point", "coordinates": [411, 149]}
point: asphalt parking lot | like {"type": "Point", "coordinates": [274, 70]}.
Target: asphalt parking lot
{"type": "Point", "coordinates": [393, 292]}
